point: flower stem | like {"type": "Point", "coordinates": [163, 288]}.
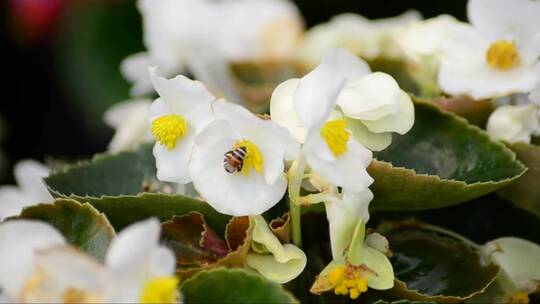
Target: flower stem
{"type": "Point", "coordinates": [295, 175]}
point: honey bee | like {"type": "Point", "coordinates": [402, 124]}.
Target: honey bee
{"type": "Point", "coordinates": [234, 160]}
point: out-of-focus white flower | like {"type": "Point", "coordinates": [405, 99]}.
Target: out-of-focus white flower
{"type": "Point", "coordinates": [19, 242]}
{"type": "Point", "coordinates": [139, 268]}
{"type": "Point", "coordinates": [130, 120]}
{"type": "Point", "coordinates": [37, 266]}
{"type": "Point", "coordinates": [180, 34]}
{"type": "Point", "coordinates": [182, 109]}
{"type": "Point", "coordinates": [251, 179]}
{"type": "Point", "coordinates": [425, 38]}
{"type": "Point", "coordinates": [277, 262]}
{"type": "Point", "coordinates": [514, 123]}
{"type": "Point", "coordinates": [497, 54]}
{"type": "Point", "coordinates": [30, 189]}
{"type": "Point", "coordinates": [520, 273]}
{"type": "Point", "coordinates": [366, 38]}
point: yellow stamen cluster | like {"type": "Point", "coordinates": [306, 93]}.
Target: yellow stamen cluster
{"type": "Point", "coordinates": [503, 55]}
{"type": "Point", "coordinates": [167, 129]}
{"type": "Point", "coordinates": [162, 289]}
{"type": "Point", "coordinates": [254, 157]}
{"type": "Point", "coordinates": [347, 281]}
{"type": "Point", "coordinates": [336, 136]}
{"type": "Point", "coordinates": [519, 297]}
{"type": "Point", "coordinates": [75, 295]}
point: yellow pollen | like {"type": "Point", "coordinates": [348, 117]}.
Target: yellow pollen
{"type": "Point", "coordinates": [167, 129]}
{"type": "Point", "coordinates": [336, 136]}
{"type": "Point", "coordinates": [502, 55]}
{"type": "Point", "coordinates": [253, 158]}
{"type": "Point", "coordinates": [347, 280]}
{"type": "Point", "coordinates": [162, 289]}
{"type": "Point", "coordinates": [75, 295]}
{"type": "Point", "coordinates": [519, 297]}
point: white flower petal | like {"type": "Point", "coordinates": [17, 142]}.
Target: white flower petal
{"type": "Point", "coordinates": [282, 109]}
{"type": "Point", "coordinates": [495, 19]}
{"type": "Point", "coordinates": [347, 170]}
{"type": "Point", "coordinates": [518, 260]}
{"type": "Point", "coordinates": [12, 201]}
{"type": "Point", "coordinates": [29, 175]}
{"type": "Point", "coordinates": [233, 194]}
{"type": "Point", "coordinates": [514, 123]}
{"type": "Point", "coordinates": [464, 69]}
{"type": "Point", "coordinates": [372, 141]}
{"type": "Point", "coordinates": [343, 215]}
{"type": "Point", "coordinates": [19, 241]}
{"type": "Point", "coordinates": [401, 121]}
{"type": "Point", "coordinates": [133, 246]}
{"type": "Point", "coordinates": [61, 269]}
{"type": "Point", "coordinates": [370, 97]}
{"type": "Point", "coordinates": [182, 93]}
{"type": "Point", "coordinates": [130, 120]}
{"type": "Point", "coordinates": [316, 94]}
{"type": "Point", "coordinates": [134, 68]}
{"type": "Point", "coordinates": [162, 262]}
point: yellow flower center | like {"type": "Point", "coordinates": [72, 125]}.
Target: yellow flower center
{"type": "Point", "coordinates": [519, 297]}
{"type": "Point", "coordinates": [253, 158]}
{"type": "Point", "coordinates": [75, 295]}
{"type": "Point", "coordinates": [167, 129]}
{"type": "Point", "coordinates": [160, 290]}
{"type": "Point", "coordinates": [503, 55]}
{"type": "Point", "coordinates": [336, 136]}
{"type": "Point", "coordinates": [348, 280]}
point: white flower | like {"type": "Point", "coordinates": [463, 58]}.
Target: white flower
{"type": "Point", "coordinates": [135, 261]}
{"type": "Point", "coordinates": [497, 54]}
{"type": "Point", "coordinates": [19, 241]}
{"type": "Point", "coordinates": [425, 38]}
{"type": "Point", "coordinates": [37, 266]}
{"type": "Point", "coordinates": [371, 106]}
{"type": "Point", "coordinates": [366, 38]}
{"type": "Point", "coordinates": [182, 109]}
{"type": "Point", "coordinates": [514, 123]}
{"type": "Point", "coordinates": [277, 262]}
{"type": "Point", "coordinates": [180, 34]}
{"type": "Point", "coordinates": [259, 182]}
{"type": "Point", "coordinates": [130, 120]}
{"type": "Point", "coordinates": [31, 188]}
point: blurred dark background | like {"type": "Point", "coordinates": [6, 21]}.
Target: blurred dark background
{"type": "Point", "coordinates": [61, 61]}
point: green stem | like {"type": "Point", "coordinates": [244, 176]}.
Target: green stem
{"type": "Point", "coordinates": [295, 175]}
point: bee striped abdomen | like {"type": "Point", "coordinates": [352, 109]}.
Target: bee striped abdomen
{"type": "Point", "coordinates": [234, 160]}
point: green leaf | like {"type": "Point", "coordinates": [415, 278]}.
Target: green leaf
{"type": "Point", "coordinates": [404, 302]}
{"type": "Point", "coordinates": [476, 112]}
{"type": "Point", "coordinates": [432, 267]}
{"type": "Point", "coordinates": [522, 192]}
{"type": "Point", "coordinates": [112, 183]}
{"type": "Point", "coordinates": [442, 161]}
{"type": "Point", "coordinates": [233, 286]}
{"type": "Point", "coordinates": [82, 225]}
{"type": "Point", "coordinates": [125, 173]}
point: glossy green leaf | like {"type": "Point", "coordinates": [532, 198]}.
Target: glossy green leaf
{"type": "Point", "coordinates": [233, 286]}
{"type": "Point", "coordinates": [125, 173]}
{"type": "Point", "coordinates": [112, 183]}
{"type": "Point", "coordinates": [81, 224]}
{"type": "Point", "coordinates": [522, 192]}
{"type": "Point", "coordinates": [404, 302]}
{"type": "Point", "coordinates": [432, 267]}
{"type": "Point", "coordinates": [442, 161]}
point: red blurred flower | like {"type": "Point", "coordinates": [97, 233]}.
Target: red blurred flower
{"type": "Point", "coordinates": [34, 18]}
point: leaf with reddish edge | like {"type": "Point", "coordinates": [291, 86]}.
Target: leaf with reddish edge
{"type": "Point", "coordinates": [193, 242]}
{"type": "Point", "coordinates": [197, 247]}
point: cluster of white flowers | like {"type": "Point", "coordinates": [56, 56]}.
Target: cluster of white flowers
{"type": "Point", "coordinates": [326, 123]}
{"type": "Point", "coordinates": [37, 265]}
